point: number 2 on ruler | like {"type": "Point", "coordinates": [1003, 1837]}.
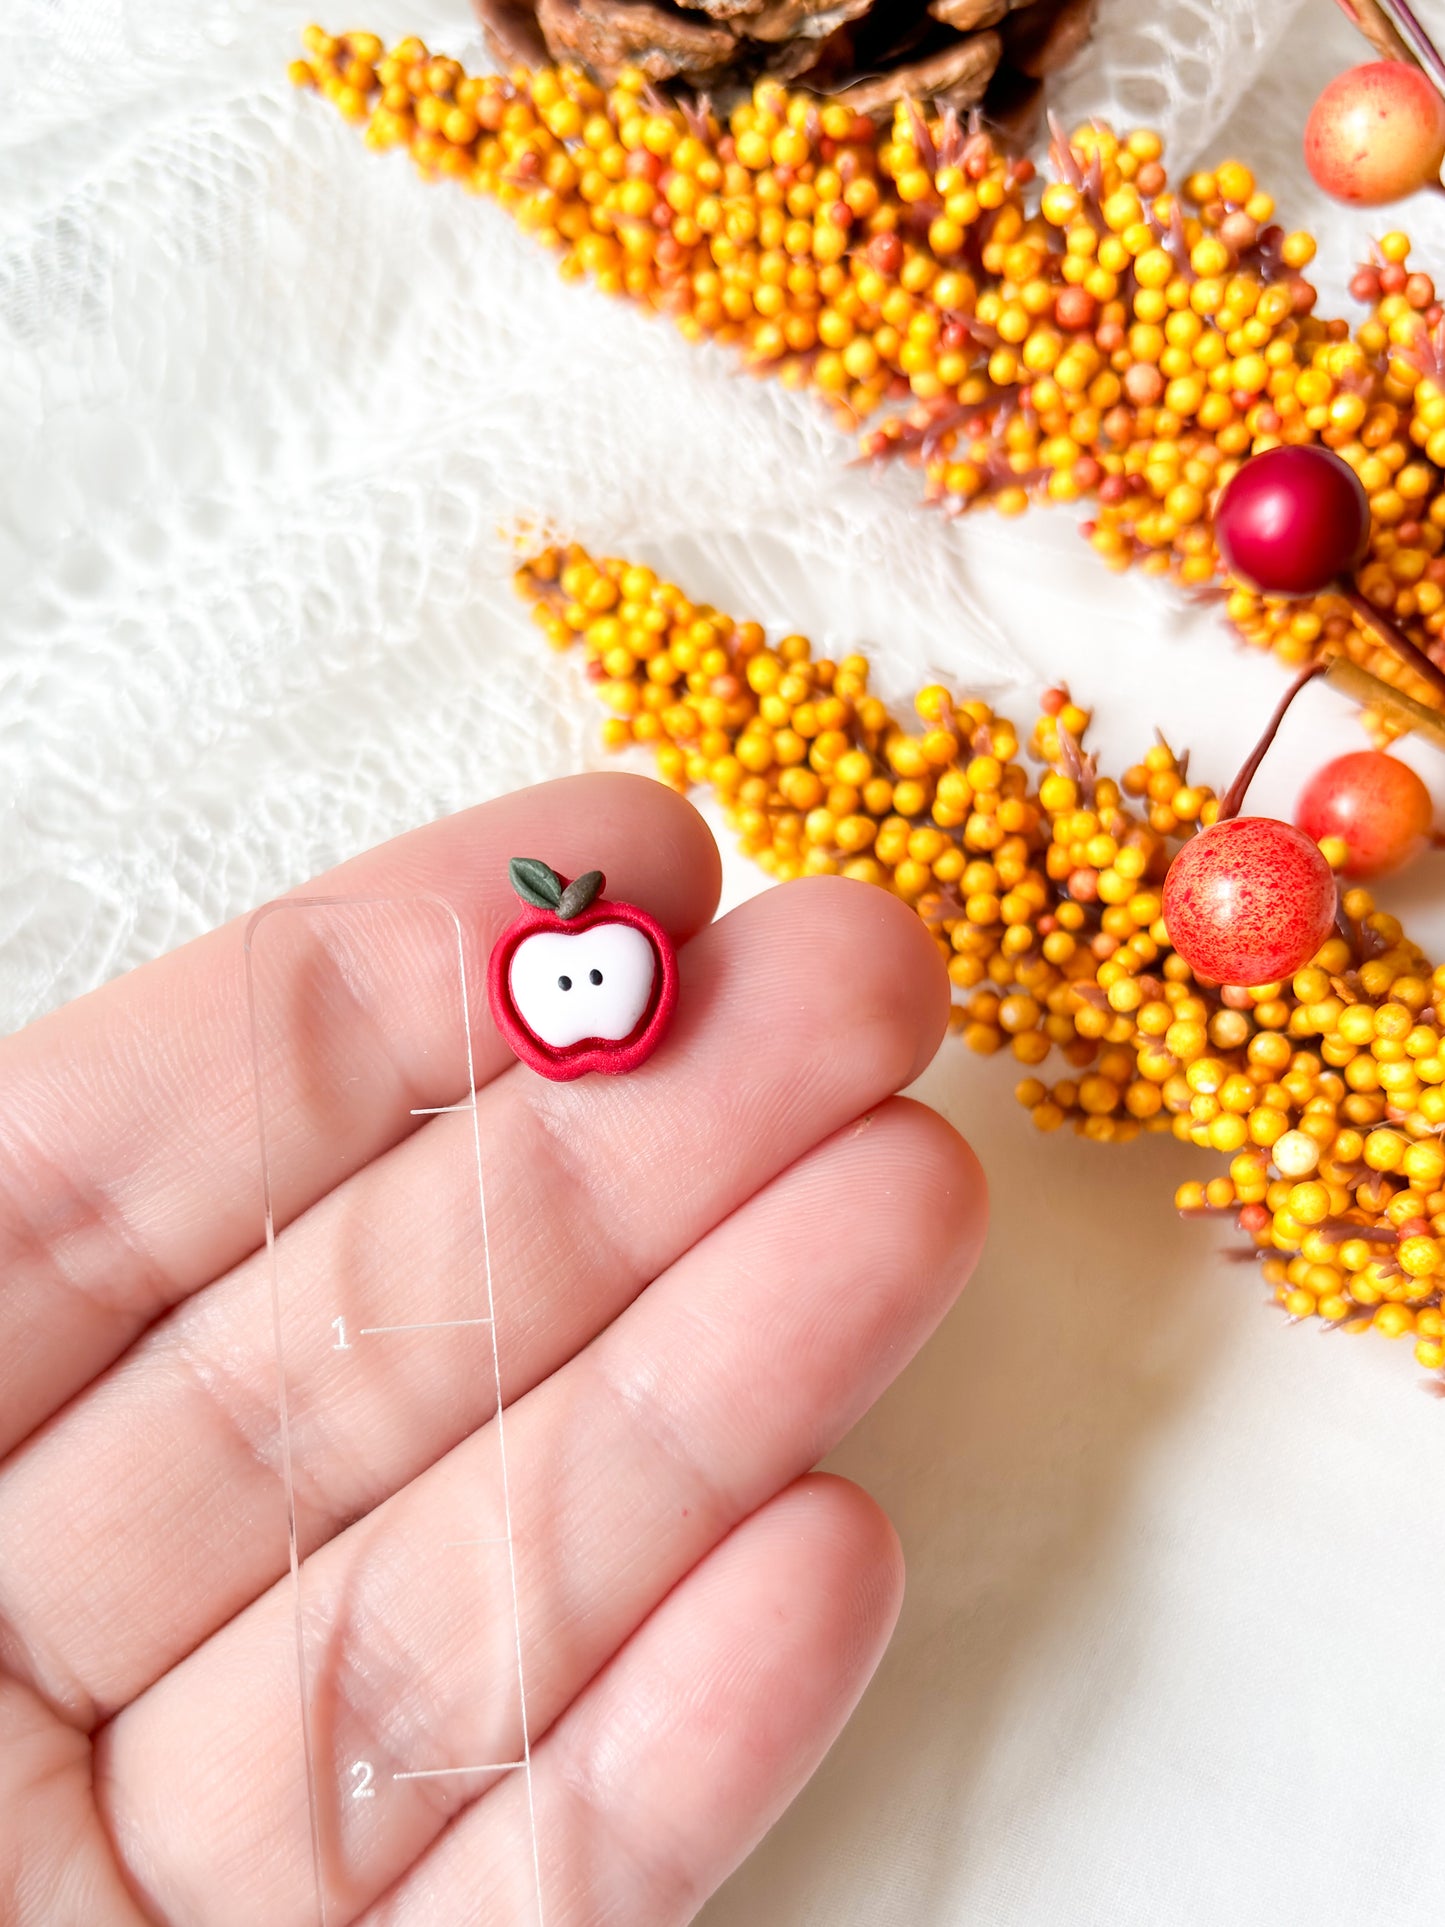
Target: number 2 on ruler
{"type": "Point", "coordinates": [363, 1774]}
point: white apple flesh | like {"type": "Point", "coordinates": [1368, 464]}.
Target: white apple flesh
{"type": "Point", "coordinates": [598, 983]}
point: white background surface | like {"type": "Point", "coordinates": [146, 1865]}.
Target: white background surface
{"type": "Point", "coordinates": [1172, 1650]}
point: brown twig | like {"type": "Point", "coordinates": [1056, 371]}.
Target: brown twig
{"type": "Point", "coordinates": [1421, 45]}
{"type": "Point", "coordinates": [1233, 797]}
{"type": "Point", "coordinates": [1370, 693]}
{"type": "Point", "coordinates": [1393, 637]}
{"type": "Point", "coordinates": [1370, 19]}
{"type": "Point", "coordinates": [1346, 927]}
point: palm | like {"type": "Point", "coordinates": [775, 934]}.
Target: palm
{"type": "Point", "coordinates": [698, 1613]}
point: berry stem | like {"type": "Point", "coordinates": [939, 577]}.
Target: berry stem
{"type": "Point", "coordinates": [1368, 692]}
{"type": "Point", "coordinates": [1424, 47]}
{"type": "Point", "coordinates": [1395, 638]}
{"type": "Point", "coordinates": [1233, 798]}
{"type": "Point", "coordinates": [1370, 18]}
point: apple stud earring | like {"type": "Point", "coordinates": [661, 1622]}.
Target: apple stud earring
{"type": "Point", "coordinates": [578, 984]}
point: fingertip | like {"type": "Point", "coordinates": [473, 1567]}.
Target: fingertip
{"type": "Point", "coordinates": [895, 975]}
{"type": "Point", "coordinates": [653, 847]}
{"type": "Point", "coordinates": [821, 1567]}
{"type": "Point", "coordinates": [652, 844]}
{"type": "Point", "coordinates": [952, 1198]}
{"type": "Point", "coordinates": [853, 1530]}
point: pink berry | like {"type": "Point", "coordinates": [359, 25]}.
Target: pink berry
{"type": "Point", "coordinates": [1375, 803]}
{"type": "Point", "coordinates": [1376, 133]}
{"type": "Point", "coordinates": [1248, 901]}
{"type": "Point", "coordinates": [1292, 520]}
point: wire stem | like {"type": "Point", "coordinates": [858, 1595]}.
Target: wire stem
{"type": "Point", "coordinates": [1370, 19]}
{"type": "Point", "coordinates": [1394, 637]}
{"type": "Point", "coordinates": [1232, 800]}
{"type": "Point", "coordinates": [1426, 51]}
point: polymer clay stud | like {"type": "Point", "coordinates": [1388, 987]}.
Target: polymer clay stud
{"type": "Point", "coordinates": [576, 983]}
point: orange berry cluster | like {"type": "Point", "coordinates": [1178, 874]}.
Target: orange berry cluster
{"type": "Point", "coordinates": [1099, 336]}
{"type": "Point", "coordinates": [1325, 1094]}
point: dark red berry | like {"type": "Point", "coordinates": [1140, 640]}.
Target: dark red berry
{"type": "Point", "coordinates": [1292, 521]}
{"type": "Point", "coordinates": [1249, 901]}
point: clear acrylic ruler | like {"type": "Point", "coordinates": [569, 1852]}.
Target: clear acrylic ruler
{"type": "Point", "coordinates": [406, 1573]}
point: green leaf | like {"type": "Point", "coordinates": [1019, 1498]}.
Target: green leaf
{"type": "Point", "coordinates": [535, 883]}
{"type": "Point", "coordinates": [580, 893]}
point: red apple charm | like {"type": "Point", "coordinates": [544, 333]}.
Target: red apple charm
{"type": "Point", "coordinates": [578, 984]}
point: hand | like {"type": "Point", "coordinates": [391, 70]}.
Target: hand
{"type": "Point", "coordinates": [705, 1273]}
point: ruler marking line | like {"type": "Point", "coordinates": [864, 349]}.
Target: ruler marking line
{"type": "Point", "coordinates": [431, 1325]}
{"type": "Point", "coordinates": [440, 1772]}
{"type": "Point", "coordinates": [500, 1423]}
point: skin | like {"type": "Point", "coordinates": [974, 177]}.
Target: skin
{"type": "Point", "coordinates": [1248, 901]}
{"type": "Point", "coordinates": [1376, 134]}
{"type": "Point", "coordinates": [706, 1272]}
{"type": "Point", "coordinates": [1375, 803]}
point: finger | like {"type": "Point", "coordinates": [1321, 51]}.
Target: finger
{"type": "Point", "coordinates": [128, 1161]}
{"type": "Point", "coordinates": [675, 1761]}
{"type": "Point", "coordinates": [800, 1009]}
{"type": "Point", "coordinates": [723, 1382]}
{"type": "Point", "coordinates": [56, 1864]}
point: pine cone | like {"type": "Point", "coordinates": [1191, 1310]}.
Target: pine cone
{"type": "Point", "coordinates": [872, 53]}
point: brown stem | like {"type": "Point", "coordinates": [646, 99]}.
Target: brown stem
{"type": "Point", "coordinates": [1338, 1232]}
{"type": "Point", "coordinates": [1377, 27]}
{"type": "Point", "coordinates": [1426, 52]}
{"type": "Point", "coordinates": [1233, 798]}
{"type": "Point", "coordinates": [1370, 693]}
{"type": "Point", "coordinates": [1347, 928]}
{"type": "Point", "coordinates": [1394, 637]}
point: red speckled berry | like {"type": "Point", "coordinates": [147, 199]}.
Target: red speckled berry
{"type": "Point", "coordinates": [1248, 901]}
{"type": "Point", "coordinates": [1376, 133]}
{"type": "Point", "coordinates": [1292, 520]}
{"type": "Point", "coordinates": [1375, 803]}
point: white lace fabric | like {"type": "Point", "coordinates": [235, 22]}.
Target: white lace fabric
{"type": "Point", "coordinates": [269, 410]}
{"type": "Point", "coordinates": [267, 405]}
